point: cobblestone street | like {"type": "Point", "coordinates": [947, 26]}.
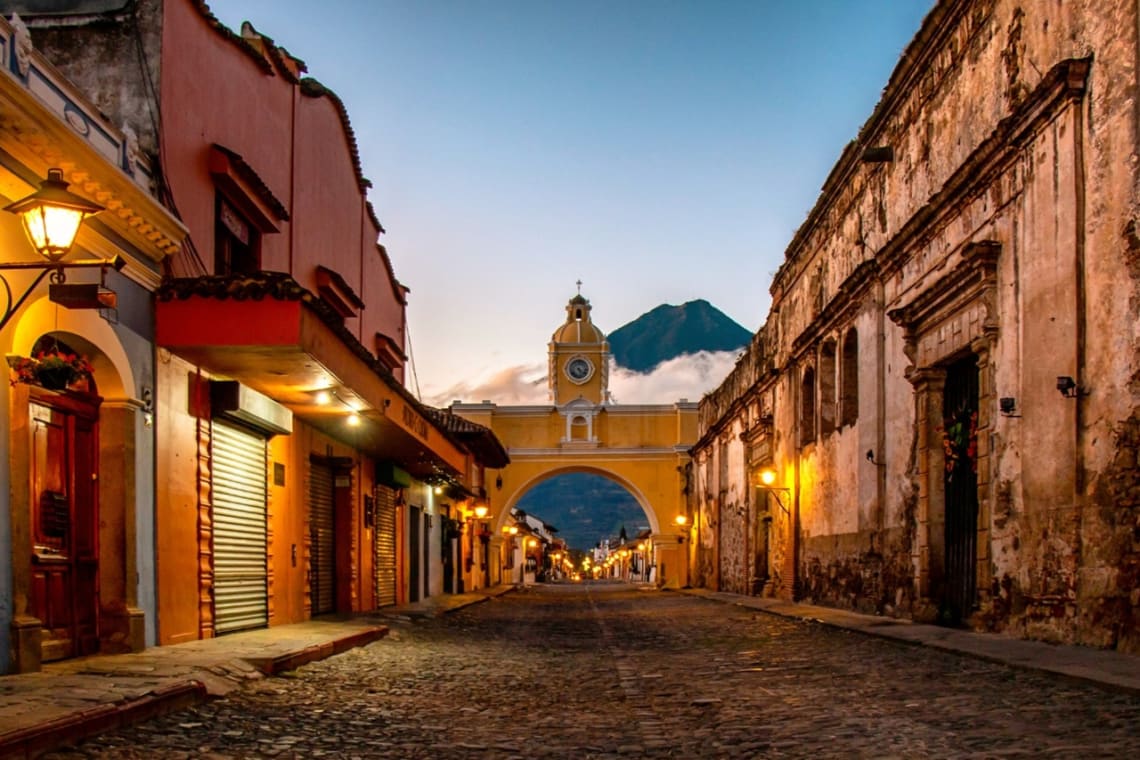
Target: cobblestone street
{"type": "Point", "coordinates": [603, 671]}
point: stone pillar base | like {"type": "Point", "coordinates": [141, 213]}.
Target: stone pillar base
{"type": "Point", "coordinates": [26, 642]}
{"type": "Point", "coordinates": [122, 630]}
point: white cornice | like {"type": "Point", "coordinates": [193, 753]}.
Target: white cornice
{"type": "Point", "coordinates": [598, 453]}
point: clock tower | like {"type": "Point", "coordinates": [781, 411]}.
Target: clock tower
{"type": "Point", "coordinates": [579, 359]}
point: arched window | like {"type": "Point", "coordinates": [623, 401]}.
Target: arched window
{"type": "Point", "coordinates": [807, 407]}
{"type": "Point", "coordinates": [579, 429]}
{"type": "Point", "coordinates": [849, 379]}
{"type": "Point", "coordinates": [827, 388]}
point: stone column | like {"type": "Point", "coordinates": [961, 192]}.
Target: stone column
{"type": "Point", "coordinates": [671, 558]}
{"type": "Point", "coordinates": [122, 625]}
{"type": "Point", "coordinates": [929, 384]}
{"type": "Point", "coordinates": [987, 402]}
{"type": "Point", "coordinates": [24, 644]}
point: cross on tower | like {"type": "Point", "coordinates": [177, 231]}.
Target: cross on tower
{"type": "Point", "coordinates": [579, 283]}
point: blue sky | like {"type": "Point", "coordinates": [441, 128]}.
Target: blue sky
{"type": "Point", "coordinates": [658, 150]}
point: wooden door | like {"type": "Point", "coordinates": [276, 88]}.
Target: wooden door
{"type": "Point", "coordinates": [65, 524]}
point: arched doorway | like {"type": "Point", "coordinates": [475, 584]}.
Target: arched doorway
{"type": "Point", "coordinates": [73, 510]}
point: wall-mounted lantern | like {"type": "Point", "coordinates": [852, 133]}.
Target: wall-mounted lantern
{"type": "Point", "coordinates": [51, 217]}
{"type": "Point", "coordinates": [768, 485]}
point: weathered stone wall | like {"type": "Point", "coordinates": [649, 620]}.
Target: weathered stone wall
{"type": "Point", "coordinates": [994, 221]}
{"type": "Point", "coordinates": [81, 47]}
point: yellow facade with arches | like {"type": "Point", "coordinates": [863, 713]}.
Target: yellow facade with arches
{"type": "Point", "coordinates": [642, 447]}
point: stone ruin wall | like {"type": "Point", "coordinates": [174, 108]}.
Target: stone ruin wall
{"type": "Point", "coordinates": [1065, 576]}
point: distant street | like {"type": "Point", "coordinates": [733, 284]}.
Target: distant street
{"type": "Point", "coordinates": [607, 671]}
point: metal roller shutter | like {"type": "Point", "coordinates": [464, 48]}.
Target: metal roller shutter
{"type": "Point", "coordinates": [385, 546]}
{"type": "Point", "coordinates": [239, 490]}
{"type": "Point", "coordinates": [322, 581]}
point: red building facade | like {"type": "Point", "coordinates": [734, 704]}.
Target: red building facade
{"type": "Point", "coordinates": [297, 477]}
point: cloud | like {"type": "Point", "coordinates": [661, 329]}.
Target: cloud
{"type": "Point", "coordinates": [684, 377]}
{"type": "Point", "coordinates": [517, 385]}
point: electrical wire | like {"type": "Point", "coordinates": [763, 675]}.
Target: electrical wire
{"type": "Point", "coordinates": [412, 361]}
{"type": "Point", "coordinates": [165, 193]}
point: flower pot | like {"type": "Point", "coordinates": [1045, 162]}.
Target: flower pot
{"type": "Point", "coordinates": [56, 378]}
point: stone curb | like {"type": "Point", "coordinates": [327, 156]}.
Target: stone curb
{"type": "Point", "coordinates": [37, 738]}
{"type": "Point", "coordinates": [271, 666]}
{"type": "Point", "coordinates": [439, 606]}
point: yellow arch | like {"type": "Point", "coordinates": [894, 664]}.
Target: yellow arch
{"type": "Point", "coordinates": [643, 448]}
{"type": "Point", "coordinates": [93, 337]}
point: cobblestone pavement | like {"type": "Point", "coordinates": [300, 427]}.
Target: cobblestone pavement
{"type": "Point", "coordinates": [608, 671]}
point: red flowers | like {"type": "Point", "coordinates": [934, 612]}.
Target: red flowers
{"type": "Point", "coordinates": [960, 440]}
{"type": "Point", "coordinates": [54, 369]}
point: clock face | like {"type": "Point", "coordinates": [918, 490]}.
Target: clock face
{"type": "Point", "coordinates": [579, 369]}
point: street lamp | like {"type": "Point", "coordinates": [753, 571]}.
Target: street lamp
{"type": "Point", "coordinates": [480, 511]}
{"type": "Point", "coordinates": [767, 479]}
{"type": "Point", "coordinates": [51, 217]}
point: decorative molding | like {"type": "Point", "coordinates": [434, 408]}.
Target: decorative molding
{"type": "Point", "coordinates": [605, 452]}
{"type": "Point", "coordinates": [234, 175]}
{"type": "Point", "coordinates": [22, 47]}
{"type": "Point", "coordinates": [47, 122]}
{"type": "Point", "coordinates": [972, 283]}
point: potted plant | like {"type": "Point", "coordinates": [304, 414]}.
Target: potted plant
{"type": "Point", "coordinates": [52, 369]}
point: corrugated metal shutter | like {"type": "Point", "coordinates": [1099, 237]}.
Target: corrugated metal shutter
{"type": "Point", "coordinates": [240, 595]}
{"type": "Point", "coordinates": [322, 581]}
{"type": "Point", "coordinates": [385, 546]}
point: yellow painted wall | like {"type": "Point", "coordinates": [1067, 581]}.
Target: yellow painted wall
{"type": "Point", "coordinates": [176, 554]}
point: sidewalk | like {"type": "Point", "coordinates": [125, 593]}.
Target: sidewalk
{"type": "Point", "coordinates": [73, 699]}
{"type": "Point", "coordinates": [1104, 668]}
{"type": "Point", "coordinates": [434, 606]}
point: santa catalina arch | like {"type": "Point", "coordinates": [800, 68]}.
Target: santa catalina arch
{"type": "Point", "coordinates": [643, 447]}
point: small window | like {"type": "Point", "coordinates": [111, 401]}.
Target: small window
{"type": "Point", "coordinates": [236, 241]}
{"type": "Point", "coordinates": [579, 429]}
{"type": "Point", "coordinates": [849, 379]}
{"type": "Point", "coordinates": [827, 388]}
{"type": "Point", "coordinates": [807, 407]}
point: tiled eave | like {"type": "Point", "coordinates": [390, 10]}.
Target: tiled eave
{"type": "Point", "coordinates": [224, 160]}
{"type": "Point", "coordinates": [290, 345]}
{"type": "Point", "coordinates": [480, 440]}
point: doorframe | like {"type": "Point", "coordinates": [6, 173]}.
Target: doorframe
{"type": "Point", "coordinates": [954, 317]}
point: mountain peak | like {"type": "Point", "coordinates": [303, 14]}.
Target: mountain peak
{"type": "Point", "coordinates": [667, 331]}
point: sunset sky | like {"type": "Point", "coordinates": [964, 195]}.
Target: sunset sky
{"type": "Point", "coordinates": [658, 150]}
